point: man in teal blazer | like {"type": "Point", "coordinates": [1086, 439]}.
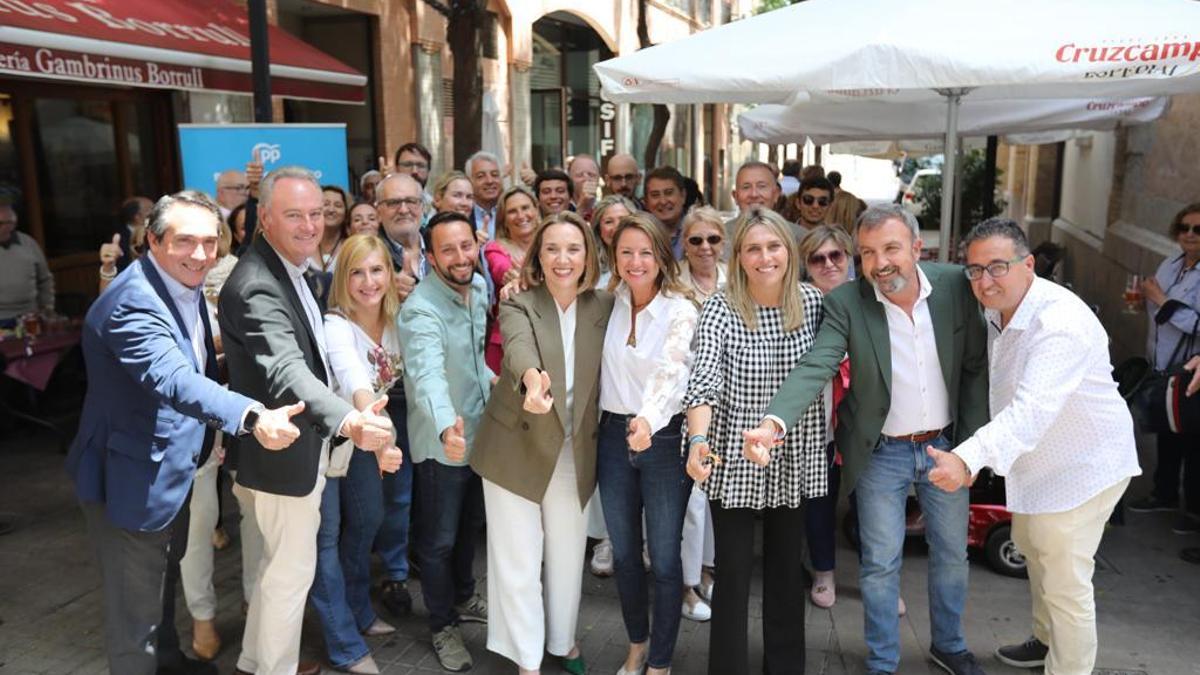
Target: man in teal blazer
{"type": "Point", "coordinates": [918, 376]}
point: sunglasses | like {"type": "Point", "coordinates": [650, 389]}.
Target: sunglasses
{"type": "Point", "coordinates": [809, 199]}
{"type": "Point", "coordinates": [712, 239]}
{"type": "Point", "coordinates": [1184, 229]}
{"type": "Point", "coordinates": [835, 258]}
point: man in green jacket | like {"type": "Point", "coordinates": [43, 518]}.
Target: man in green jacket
{"type": "Point", "coordinates": [918, 376]}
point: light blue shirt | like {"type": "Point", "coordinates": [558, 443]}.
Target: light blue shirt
{"type": "Point", "coordinates": [442, 336]}
{"type": "Point", "coordinates": [1177, 317]}
{"type": "Point", "coordinates": [187, 302]}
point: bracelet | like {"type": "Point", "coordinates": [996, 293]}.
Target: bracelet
{"type": "Point", "coordinates": [697, 440]}
{"type": "Point", "coordinates": [108, 276]}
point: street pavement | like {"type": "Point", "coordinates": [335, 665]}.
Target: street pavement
{"type": "Point", "coordinates": [1148, 600]}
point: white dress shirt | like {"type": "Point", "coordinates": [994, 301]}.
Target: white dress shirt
{"type": "Point", "coordinates": [566, 326]}
{"type": "Point", "coordinates": [1060, 432]}
{"type": "Point", "coordinates": [353, 357]}
{"type": "Point", "coordinates": [919, 399]}
{"type": "Point", "coordinates": [650, 378]}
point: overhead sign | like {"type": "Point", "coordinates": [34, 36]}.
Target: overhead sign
{"type": "Point", "coordinates": [205, 150]}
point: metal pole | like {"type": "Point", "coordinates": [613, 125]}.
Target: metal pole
{"type": "Point", "coordinates": [260, 62]}
{"type": "Point", "coordinates": [949, 194]}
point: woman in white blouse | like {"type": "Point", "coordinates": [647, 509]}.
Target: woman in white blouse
{"type": "Point", "coordinates": [364, 355]}
{"type": "Point", "coordinates": [643, 374]}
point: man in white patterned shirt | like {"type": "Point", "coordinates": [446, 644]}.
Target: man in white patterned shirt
{"type": "Point", "coordinates": [1060, 433]}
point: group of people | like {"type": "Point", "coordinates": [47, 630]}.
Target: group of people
{"type": "Point", "coordinates": [551, 363]}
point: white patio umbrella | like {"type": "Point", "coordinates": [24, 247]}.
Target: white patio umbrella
{"type": "Point", "coordinates": [879, 120]}
{"type": "Point", "coordinates": [831, 50]}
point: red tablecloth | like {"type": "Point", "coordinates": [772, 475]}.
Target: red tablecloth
{"type": "Point", "coordinates": [35, 365]}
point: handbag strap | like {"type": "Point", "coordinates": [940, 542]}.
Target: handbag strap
{"type": "Point", "coordinates": [1184, 346]}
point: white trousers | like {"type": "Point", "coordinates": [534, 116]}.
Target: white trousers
{"type": "Point", "coordinates": [596, 527]}
{"type": "Point", "coordinates": [535, 553]}
{"type": "Point", "coordinates": [196, 567]}
{"type": "Point", "coordinates": [697, 548]}
{"type": "Point", "coordinates": [1060, 551]}
{"type": "Point", "coordinates": [252, 538]}
{"type": "Point", "coordinates": [271, 642]}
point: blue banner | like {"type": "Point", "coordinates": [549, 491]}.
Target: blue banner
{"type": "Point", "coordinates": [205, 150]}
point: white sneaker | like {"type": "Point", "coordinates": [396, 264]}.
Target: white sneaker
{"type": "Point", "coordinates": [602, 559]}
{"type": "Point", "coordinates": [700, 611]}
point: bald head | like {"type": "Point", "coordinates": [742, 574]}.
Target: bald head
{"type": "Point", "coordinates": [232, 189]}
{"type": "Point", "coordinates": [622, 175]}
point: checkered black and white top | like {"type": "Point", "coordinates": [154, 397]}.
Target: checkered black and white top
{"type": "Point", "coordinates": [737, 371]}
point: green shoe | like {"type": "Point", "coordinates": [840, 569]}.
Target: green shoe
{"type": "Point", "coordinates": [574, 665]}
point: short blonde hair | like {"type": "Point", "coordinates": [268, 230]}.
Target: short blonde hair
{"type": "Point", "coordinates": [353, 251]}
{"type": "Point", "coordinates": [737, 289]}
{"type": "Point", "coordinates": [532, 273]}
{"type": "Point", "coordinates": [501, 205]}
{"type": "Point", "coordinates": [706, 215]}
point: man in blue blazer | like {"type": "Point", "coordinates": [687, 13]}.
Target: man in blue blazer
{"type": "Point", "coordinates": [152, 408]}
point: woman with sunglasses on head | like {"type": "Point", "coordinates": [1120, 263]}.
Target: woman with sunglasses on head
{"type": "Point", "coordinates": [749, 337]}
{"type": "Point", "coordinates": [536, 450]}
{"type": "Point", "coordinates": [826, 252]}
{"type": "Point", "coordinates": [643, 376]}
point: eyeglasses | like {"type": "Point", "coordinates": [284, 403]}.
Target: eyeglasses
{"type": "Point", "coordinates": [241, 187]}
{"type": "Point", "coordinates": [1184, 229]}
{"type": "Point", "coordinates": [809, 199]}
{"type": "Point", "coordinates": [411, 165]}
{"type": "Point", "coordinates": [835, 258]}
{"type": "Point", "coordinates": [410, 202]}
{"type": "Point", "coordinates": [622, 178]}
{"type": "Point", "coordinates": [995, 270]}
{"type": "Point", "coordinates": [712, 239]}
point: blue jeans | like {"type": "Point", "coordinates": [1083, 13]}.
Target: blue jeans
{"type": "Point", "coordinates": [450, 510]}
{"type": "Point", "coordinates": [820, 520]}
{"type": "Point", "coordinates": [392, 542]}
{"type": "Point", "coordinates": [654, 480]}
{"type": "Point", "coordinates": [882, 492]}
{"type": "Point", "coordinates": [351, 511]}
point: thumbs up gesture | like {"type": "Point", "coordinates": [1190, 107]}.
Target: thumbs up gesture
{"type": "Point", "coordinates": [454, 441]}
{"type": "Point", "coordinates": [274, 429]}
{"type": "Point", "coordinates": [110, 253]}
{"type": "Point", "coordinates": [370, 429]}
{"type": "Point", "coordinates": [254, 173]}
{"type": "Point", "coordinates": [949, 472]}
{"type": "Point", "coordinates": [538, 399]}
{"type": "Point", "coordinates": [390, 458]}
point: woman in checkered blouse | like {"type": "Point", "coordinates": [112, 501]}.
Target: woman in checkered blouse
{"type": "Point", "coordinates": [748, 339]}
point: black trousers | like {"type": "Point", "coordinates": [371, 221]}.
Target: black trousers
{"type": "Point", "coordinates": [1178, 454]}
{"type": "Point", "coordinates": [783, 591]}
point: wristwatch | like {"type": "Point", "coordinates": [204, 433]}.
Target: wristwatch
{"type": "Point", "coordinates": [252, 419]}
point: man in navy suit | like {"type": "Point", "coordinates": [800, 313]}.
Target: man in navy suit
{"type": "Point", "coordinates": [149, 417]}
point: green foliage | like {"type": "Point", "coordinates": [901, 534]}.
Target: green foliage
{"type": "Point", "coordinates": [974, 192]}
{"type": "Point", "coordinates": [771, 5]}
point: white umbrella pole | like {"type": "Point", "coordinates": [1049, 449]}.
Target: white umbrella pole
{"type": "Point", "coordinates": [951, 151]}
{"type": "Point", "coordinates": [949, 194]}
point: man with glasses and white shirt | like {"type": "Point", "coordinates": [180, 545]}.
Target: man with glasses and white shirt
{"type": "Point", "coordinates": [1060, 433]}
{"type": "Point", "coordinates": [232, 191]}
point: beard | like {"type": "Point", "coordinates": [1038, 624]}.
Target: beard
{"type": "Point", "coordinates": [893, 284]}
{"type": "Point", "coordinates": [456, 276]}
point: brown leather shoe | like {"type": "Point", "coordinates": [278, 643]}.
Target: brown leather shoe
{"type": "Point", "coordinates": [205, 640]}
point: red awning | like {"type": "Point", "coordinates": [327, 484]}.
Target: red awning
{"type": "Point", "coordinates": [168, 44]}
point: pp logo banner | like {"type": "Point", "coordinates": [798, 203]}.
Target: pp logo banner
{"type": "Point", "coordinates": [207, 150]}
{"type": "Point", "coordinates": [268, 153]}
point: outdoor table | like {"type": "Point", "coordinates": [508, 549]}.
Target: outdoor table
{"type": "Point", "coordinates": [31, 361]}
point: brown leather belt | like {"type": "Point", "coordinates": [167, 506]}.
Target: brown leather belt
{"type": "Point", "coordinates": [920, 436]}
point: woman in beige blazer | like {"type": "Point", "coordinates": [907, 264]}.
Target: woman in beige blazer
{"type": "Point", "coordinates": [537, 447]}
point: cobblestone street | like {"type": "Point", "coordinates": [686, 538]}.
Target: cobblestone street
{"type": "Point", "coordinates": [50, 606]}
